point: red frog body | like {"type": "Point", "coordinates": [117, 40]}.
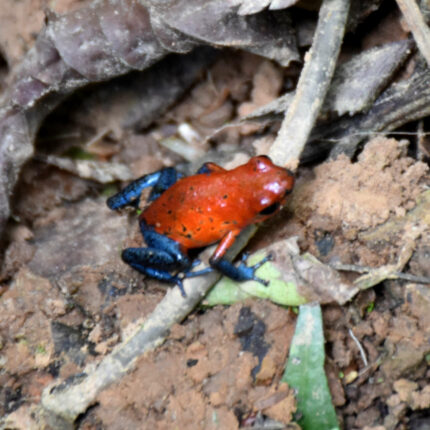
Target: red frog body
{"type": "Point", "coordinates": [214, 205]}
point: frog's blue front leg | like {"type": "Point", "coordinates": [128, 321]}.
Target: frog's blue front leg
{"type": "Point", "coordinates": [201, 272]}
{"type": "Point", "coordinates": [242, 272]}
{"type": "Point", "coordinates": [130, 195]}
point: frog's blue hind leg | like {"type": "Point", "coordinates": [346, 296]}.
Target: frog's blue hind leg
{"type": "Point", "coordinates": [154, 263]}
{"type": "Point", "coordinates": [164, 243]}
{"type": "Point", "coordinates": [159, 241]}
{"type": "Point", "coordinates": [162, 256]}
{"type": "Point", "coordinates": [160, 181]}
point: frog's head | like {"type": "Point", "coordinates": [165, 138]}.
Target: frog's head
{"type": "Point", "coordinates": [271, 185]}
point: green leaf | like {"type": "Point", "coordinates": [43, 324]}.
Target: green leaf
{"type": "Point", "coordinates": [305, 372]}
{"type": "Point", "coordinates": [226, 291]}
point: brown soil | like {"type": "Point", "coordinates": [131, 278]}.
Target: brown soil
{"type": "Point", "coordinates": [66, 299]}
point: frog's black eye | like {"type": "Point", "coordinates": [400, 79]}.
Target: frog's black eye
{"type": "Point", "coordinates": [269, 210]}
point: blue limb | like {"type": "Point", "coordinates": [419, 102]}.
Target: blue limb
{"type": "Point", "coordinates": [130, 195]}
{"type": "Point", "coordinates": [149, 257]}
{"type": "Point", "coordinates": [167, 178]}
{"type": "Point", "coordinates": [154, 263]}
{"type": "Point", "coordinates": [189, 274]}
{"type": "Point", "coordinates": [201, 272]}
{"type": "Point", "coordinates": [203, 169]}
{"type": "Point", "coordinates": [209, 168]}
{"type": "Point", "coordinates": [164, 243]}
{"type": "Point", "coordinates": [242, 272]}
{"type": "Point", "coordinates": [162, 256]}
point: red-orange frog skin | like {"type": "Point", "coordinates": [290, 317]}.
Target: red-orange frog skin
{"type": "Point", "coordinates": [214, 205]}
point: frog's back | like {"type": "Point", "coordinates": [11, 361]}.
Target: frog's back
{"type": "Point", "coordinates": [200, 210]}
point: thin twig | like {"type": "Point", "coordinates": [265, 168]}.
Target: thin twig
{"type": "Point", "coordinates": [395, 275]}
{"type": "Point", "coordinates": [313, 84]}
{"type": "Point", "coordinates": [415, 20]}
{"type": "Point", "coordinates": [360, 348]}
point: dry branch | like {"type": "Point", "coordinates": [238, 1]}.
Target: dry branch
{"type": "Point", "coordinates": [313, 84]}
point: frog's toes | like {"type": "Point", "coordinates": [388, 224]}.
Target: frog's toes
{"type": "Point", "coordinates": [244, 257]}
{"type": "Point", "coordinates": [267, 258]}
{"type": "Point", "coordinates": [256, 266]}
{"type": "Point", "coordinates": [195, 263]}
{"type": "Point", "coordinates": [261, 281]}
{"type": "Point", "coordinates": [181, 289]}
{"type": "Point", "coordinates": [178, 281]}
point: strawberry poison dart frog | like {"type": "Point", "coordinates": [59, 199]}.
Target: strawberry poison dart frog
{"type": "Point", "coordinates": [214, 205]}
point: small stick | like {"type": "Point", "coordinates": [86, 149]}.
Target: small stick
{"type": "Point", "coordinates": [360, 347]}
{"type": "Point", "coordinates": [313, 84]}
{"type": "Point", "coordinates": [416, 23]}
{"type": "Point", "coordinates": [394, 275]}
